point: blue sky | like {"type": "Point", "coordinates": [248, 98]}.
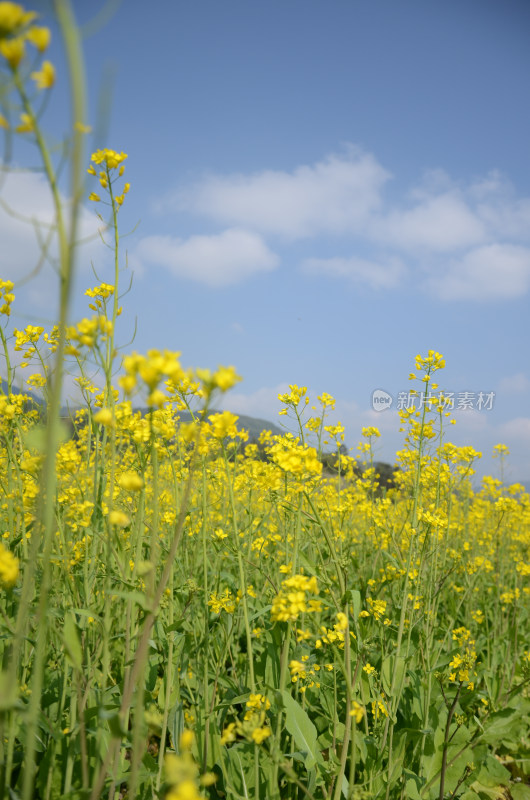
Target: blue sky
{"type": "Point", "coordinates": [321, 190]}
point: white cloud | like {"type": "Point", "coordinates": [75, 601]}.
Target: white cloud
{"type": "Point", "coordinates": [464, 240]}
{"type": "Point", "coordinates": [377, 275]}
{"type": "Point", "coordinates": [438, 224]}
{"type": "Point", "coordinates": [492, 272]}
{"type": "Point", "coordinates": [516, 430]}
{"type": "Point", "coordinates": [25, 222]}
{"type": "Point", "coordinates": [514, 384]}
{"type": "Point", "coordinates": [28, 210]}
{"type": "Point", "coordinates": [218, 260]}
{"type": "Point", "coordinates": [336, 195]}
{"type": "Point", "coordinates": [503, 213]}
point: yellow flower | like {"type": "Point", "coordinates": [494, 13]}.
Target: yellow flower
{"type": "Point", "coordinates": [225, 377]}
{"type": "Point", "coordinates": [6, 290]}
{"type": "Point", "coordinates": [111, 158]}
{"type": "Point", "coordinates": [46, 77]}
{"type": "Point", "coordinates": [357, 711]}
{"type": "Point", "coordinates": [104, 417]}
{"type": "Point", "coordinates": [185, 790]}
{"type": "Point", "coordinates": [223, 602]}
{"type": "Point", "coordinates": [259, 702]}
{"type": "Point", "coordinates": [119, 518]}
{"type": "Point", "coordinates": [3, 122]}
{"type": "Point", "coordinates": [260, 734]}
{"type": "Point", "coordinates": [370, 431]}
{"type": "Point", "coordinates": [500, 450]}
{"type": "Point", "coordinates": [292, 599]}
{"type": "Point", "coordinates": [186, 740]}
{"type": "Point", "coordinates": [40, 37]}
{"type": "Point", "coordinates": [13, 51]}
{"type": "Point", "coordinates": [26, 124]}
{"type": "Point", "coordinates": [81, 128]}
{"type": "Point", "coordinates": [8, 567]}
{"type": "Point", "coordinates": [224, 425]}
{"type": "Point", "coordinates": [94, 197]}
{"type": "Point", "coordinates": [12, 17]}
{"type": "Point", "coordinates": [229, 734]}
{"type": "Point", "coordinates": [131, 482]}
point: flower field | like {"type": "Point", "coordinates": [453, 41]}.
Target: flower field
{"type": "Point", "coordinates": [185, 614]}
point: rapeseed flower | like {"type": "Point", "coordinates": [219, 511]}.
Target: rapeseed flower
{"type": "Point", "coordinates": [13, 17]}
{"type": "Point", "coordinates": [357, 711]}
{"type": "Point", "coordinates": [9, 567]}
{"type": "Point", "coordinates": [111, 158]}
{"type": "Point", "coordinates": [293, 599]}
{"type": "Point", "coordinates": [45, 78]}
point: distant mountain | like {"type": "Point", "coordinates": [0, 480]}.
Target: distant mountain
{"type": "Point", "coordinates": [253, 425]}
{"type": "Point", "coordinates": [15, 390]}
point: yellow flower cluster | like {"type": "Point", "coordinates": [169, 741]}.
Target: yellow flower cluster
{"type": "Point", "coordinates": [334, 635]}
{"type": "Point", "coordinates": [99, 294]}
{"type": "Point", "coordinates": [182, 772]}
{"type": "Point", "coordinates": [88, 332]}
{"type": "Point", "coordinates": [377, 607]}
{"type": "Point", "coordinates": [305, 674]}
{"type": "Point", "coordinates": [431, 362]}
{"type": "Point", "coordinates": [6, 297]}
{"type": "Point", "coordinates": [254, 727]}
{"type": "Point", "coordinates": [29, 336]}
{"type": "Point", "coordinates": [111, 160]}
{"type": "Point", "coordinates": [462, 663]}
{"type": "Point", "coordinates": [131, 482]}
{"type": "Point", "coordinates": [293, 397]}
{"type": "Point", "coordinates": [224, 425]}
{"type": "Point", "coordinates": [256, 702]}
{"type": "Point", "coordinates": [299, 460]}
{"type": "Point", "coordinates": [223, 378]}
{"type": "Point", "coordinates": [8, 567]}
{"type": "Point", "coordinates": [292, 600]}
{"type": "Point", "coordinates": [223, 602]}
{"type": "Point", "coordinates": [151, 369]}
{"type": "Point", "coordinates": [370, 432]}
{"type": "Point", "coordinates": [16, 30]}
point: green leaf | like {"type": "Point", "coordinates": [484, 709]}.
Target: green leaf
{"type": "Point", "coordinates": [390, 665]}
{"type": "Point", "coordinates": [175, 724]}
{"type": "Point", "coordinates": [301, 729]}
{"type": "Point", "coordinates": [413, 784]}
{"type": "Point", "coordinates": [492, 773]}
{"type": "Point", "coordinates": [520, 791]}
{"type": "Point", "coordinates": [494, 792]}
{"type": "Point", "coordinates": [238, 770]}
{"type": "Point", "coordinates": [71, 642]}
{"type": "Point", "coordinates": [356, 603]}
{"type": "Point", "coordinates": [8, 692]}
{"type": "Point", "coordinates": [500, 725]}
